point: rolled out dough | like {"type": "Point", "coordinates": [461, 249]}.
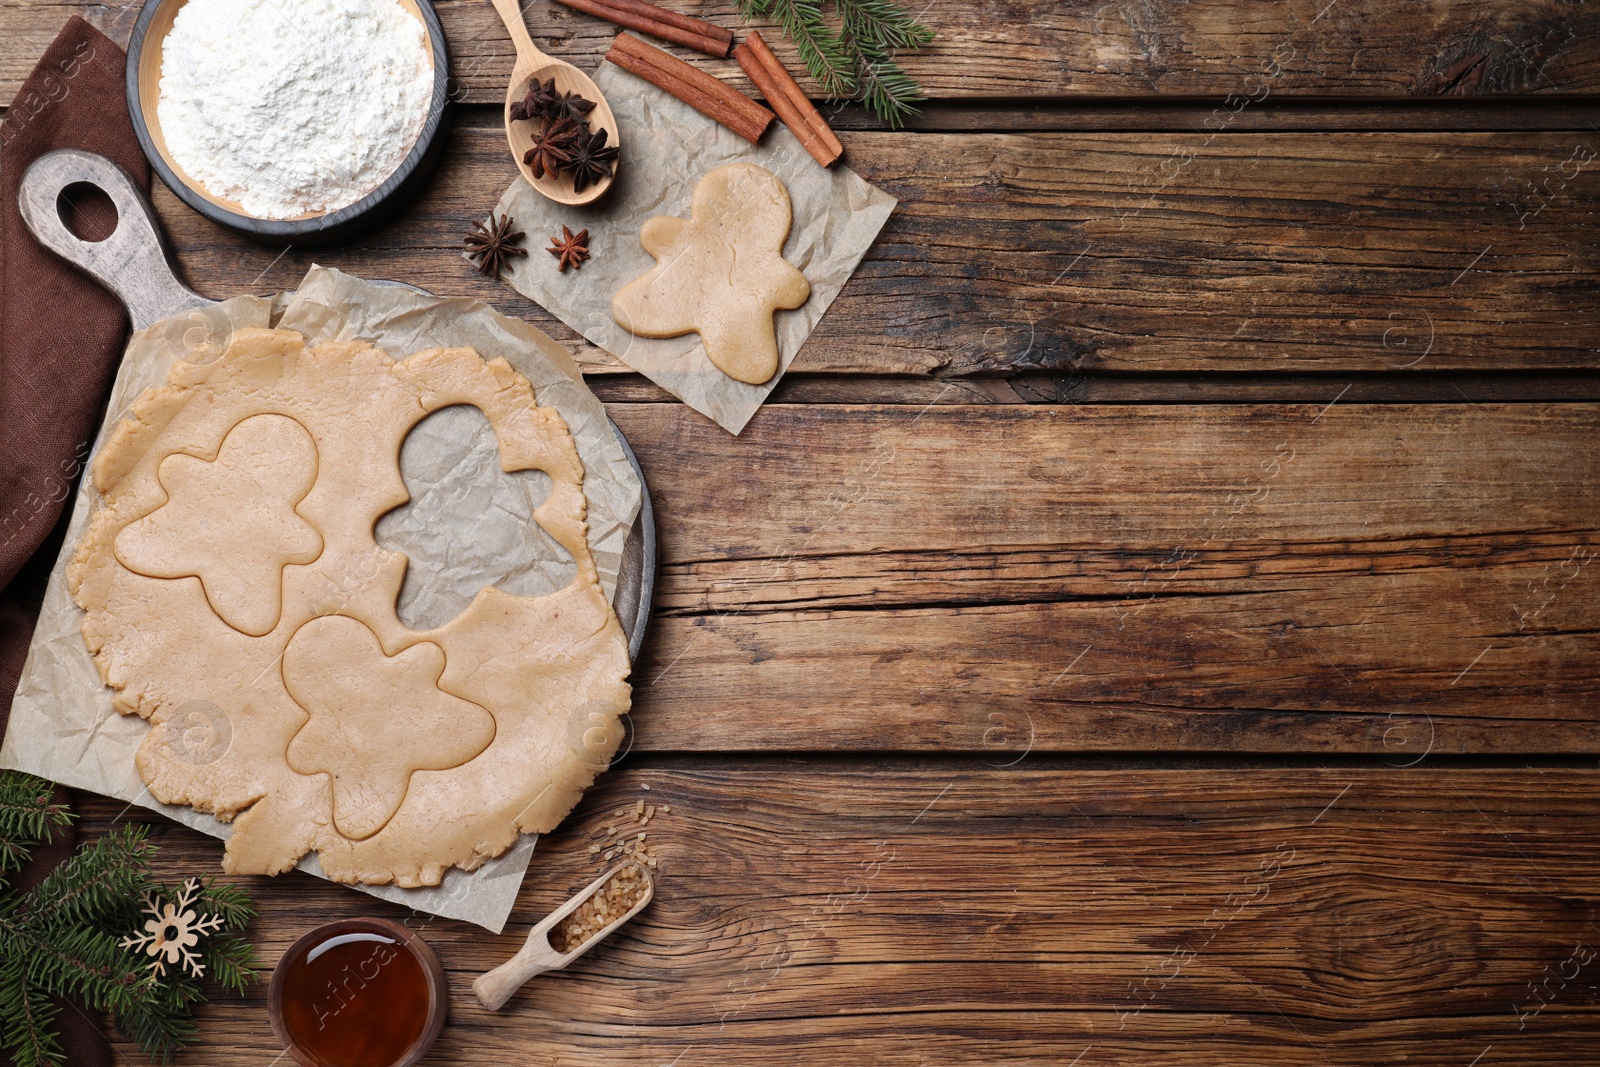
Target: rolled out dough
{"type": "Point", "coordinates": [231, 566]}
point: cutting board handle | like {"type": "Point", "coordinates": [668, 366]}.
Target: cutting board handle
{"type": "Point", "coordinates": [132, 262]}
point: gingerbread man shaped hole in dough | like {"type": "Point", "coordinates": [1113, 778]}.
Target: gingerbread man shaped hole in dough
{"type": "Point", "coordinates": [720, 273]}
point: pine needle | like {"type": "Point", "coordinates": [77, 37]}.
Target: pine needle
{"type": "Point", "coordinates": [815, 42]}
{"type": "Point", "coordinates": [28, 816]}
{"type": "Point", "coordinates": [887, 89]}
{"type": "Point", "coordinates": [29, 1028]}
{"type": "Point", "coordinates": [882, 24]}
{"type": "Point", "coordinates": [859, 58]}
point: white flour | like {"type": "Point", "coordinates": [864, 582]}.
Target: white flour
{"type": "Point", "coordinates": [293, 107]}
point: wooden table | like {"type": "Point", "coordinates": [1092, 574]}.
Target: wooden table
{"type": "Point", "coordinates": [1157, 616]}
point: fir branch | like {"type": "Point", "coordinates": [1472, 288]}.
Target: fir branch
{"type": "Point", "coordinates": [163, 1024]}
{"type": "Point", "coordinates": [818, 47]}
{"type": "Point", "coordinates": [96, 880]}
{"type": "Point", "coordinates": [89, 965]}
{"type": "Point", "coordinates": [29, 1017]}
{"type": "Point", "coordinates": [163, 1027]}
{"type": "Point", "coordinates": [882, 24]}
{"type": "Point", "coordinates": [858, 58]}
{"type": "Point", "coordinates": [886, 88]}
{"type": "Point", "coordinates": [28, 817]}
{"type": "Point", "coordinates": [228, 901]}
{"type": "Point", "coordinates": [231, 962]}
{"type": "Point", "coordinates": [65, 938]}
{"type": "Point", "coordinates": [12, 857]}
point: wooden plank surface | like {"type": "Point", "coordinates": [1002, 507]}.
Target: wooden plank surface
{"type": "Point", "coordinates": [1378, 579]}
{"type": "Point", "coordinates": [949, 912]}
{"type": "Point", "coordinates": [1068, 254]}
{"type": "Point", "coordinates": [1274, 114]}
{"type": "Point", "coordinates": [992, 526]}
{"type": "Point", "coordinates": [1042, 48]}
{"type": "Point", "coordinates": [1079, 388]}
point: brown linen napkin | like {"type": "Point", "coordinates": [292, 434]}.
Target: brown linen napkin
{"type": "Point", "coordinates": [61, 336]}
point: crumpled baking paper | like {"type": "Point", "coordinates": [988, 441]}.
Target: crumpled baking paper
{"type": "Point", "coordinates": [63, 726]}
{"type": "Point", "coordinates": [667, 147]}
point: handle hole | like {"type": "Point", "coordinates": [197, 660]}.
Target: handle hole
{"type": "Point", "coordinates": [87, 211]}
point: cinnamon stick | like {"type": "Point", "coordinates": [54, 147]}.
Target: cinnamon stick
{"type": "Point", "coordinates": [680, 29]}
{"type": "Point", "coordinates": [788, 99]}
{"type": "Point", "coordinates": [706, 94]}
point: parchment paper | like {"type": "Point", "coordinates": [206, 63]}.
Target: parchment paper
{"type": "Point", "coordinates": [667, 147]}
{"type": "Point", "coordinates": [63, 726]}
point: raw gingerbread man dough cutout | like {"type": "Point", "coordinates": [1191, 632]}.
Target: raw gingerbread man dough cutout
{"type": "Point", "coordinates": [375, 719]}
{"type": "Point", "coordinates": [720, 273]}
{"type": "Point", "coordinates": [231, 521]}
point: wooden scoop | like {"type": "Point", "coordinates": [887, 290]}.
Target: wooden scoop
{"type": "Point", "coordinates": [537, 956]}
{"type": "Point", "coordinates": [532, 63]}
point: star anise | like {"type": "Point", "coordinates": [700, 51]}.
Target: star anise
{"type": "Point", "coordinates": [537, 104]}
{"type": "Point", "coordinates": [591, 160]}
{"type": "Point", "coordinates": [553, 147]}
{"type": "Point", "coordinates": [572, 249]}
{"type": "Point", "coordinates": [571, 106]}
{"type": "Point", "coordinates": [493, 244]}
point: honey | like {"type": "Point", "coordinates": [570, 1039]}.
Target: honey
{"type": "Point", "coordinates": [354, 998]}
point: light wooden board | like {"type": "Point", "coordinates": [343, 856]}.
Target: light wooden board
{"type": "Point", "coordinates": [1042, 48]}
{"type": "Point", "coordinates": [1246, 578]}
{"type": "Point", "coordinates": [825, 913]}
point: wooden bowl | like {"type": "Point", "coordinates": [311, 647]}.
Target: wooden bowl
{"type": "Point", "coordinates": [378, 206]}
{"type": "Point", "coordinates": [433, 973]}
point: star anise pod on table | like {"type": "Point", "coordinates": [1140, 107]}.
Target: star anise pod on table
{"type": "Point", "coordinates": [493, 244]}
{"type": "Point", "coordinates": [553, 146]}
{"type": "Point", "coordinates": [542, 96]}
{"type": "Point", "coordinates": [591, 160]}
{"type": "Point", "coordinates": [572, 249]}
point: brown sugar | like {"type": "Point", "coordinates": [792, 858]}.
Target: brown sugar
{"type": "Point", "coordinates": [607, 904]}
{"type": "Point", "coordinates": [620, 842]}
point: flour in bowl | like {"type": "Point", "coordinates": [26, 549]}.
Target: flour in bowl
{"type": "Point", "coordinates": [293, 107]}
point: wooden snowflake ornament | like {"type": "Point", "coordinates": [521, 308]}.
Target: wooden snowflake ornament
{"type": "Point", "coordinates": [173, 931]}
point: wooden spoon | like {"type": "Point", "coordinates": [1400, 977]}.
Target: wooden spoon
{"type": "Point", "coordinates": [532, 63]}
{"type": "Point", "coordinates": [537, 955]}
